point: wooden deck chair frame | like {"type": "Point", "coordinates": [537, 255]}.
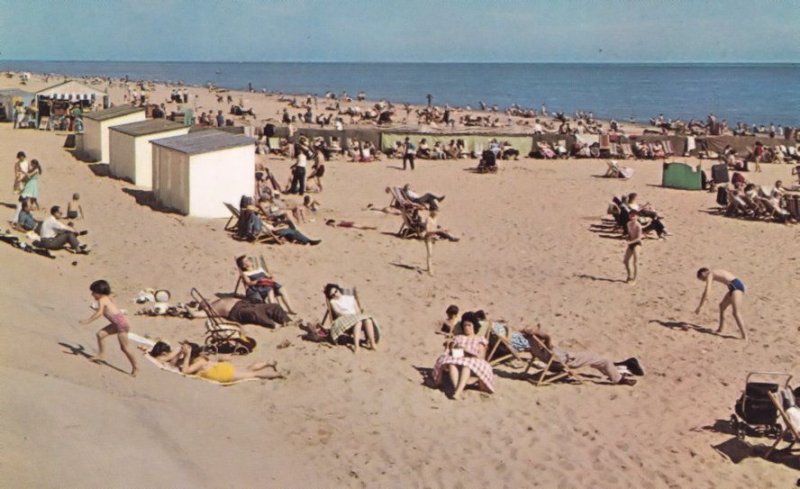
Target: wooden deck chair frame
{"type": "Point", "coordinates": [506, 342]}
{"type": "Point", "coordinates": [261, 262]}
{"type": "Point", "coordinates": [791, 430]}
{"type": "Point", "coordinates": [626, 150]}
{"type": "Point", "coordinates": [233, 221]}
{"type": "Point", "coordinates": [218, 330]}
{"type": "Point", "coordinates": [565, 372]}
{"type": "Point", "coordinates": [410, 229]}
{"type": "Point", "coordinates": [268, 236]}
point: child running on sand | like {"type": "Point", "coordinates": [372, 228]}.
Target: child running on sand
{"type": "Point", "coordinates": [732, 298]}
{"type": "Point", "coordinates": [101, 292]}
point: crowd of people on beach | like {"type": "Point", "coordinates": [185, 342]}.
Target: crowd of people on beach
{"type": "Point", "coordinates": [272, 214]}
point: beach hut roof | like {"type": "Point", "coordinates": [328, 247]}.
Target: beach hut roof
{"type": "Point", "coordinates": [204, 142]}
{"type": "Point", "coordinates": [150, 126]}
{"type": "Point", "coordinates": [68, 87]}
{"type": "Point", "coordinates": [113, 112]}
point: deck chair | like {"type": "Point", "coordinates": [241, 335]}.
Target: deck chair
{"type": "Point", "coordinates": [222, 336]}
{"type": "Point", "coordinates": [268, 236]}
{"type": "Point", "coordinates": [330, 316]}
{"type": "Point", "coordinates": [412, 226]}
{"type": "Point", "coordinates": [626, 150]}
{"type": "Point", "coordinates": [399, 200]}
{"type": "Point", "coordinates": [501, 348]}
{"type": "Point", "coordinates": [551, 366]}
{"type": "Point", "coordinates": [788, 428]}
{"type": "Point", "coordinates": [233, 221]}
{"type": "Point", "coordinates": [261, 262]}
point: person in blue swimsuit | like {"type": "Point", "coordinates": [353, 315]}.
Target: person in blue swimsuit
{"type": "Point", "coordinates": [733, 298]}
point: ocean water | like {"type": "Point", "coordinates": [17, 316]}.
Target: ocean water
{"type": "Point", "coordinates": [753, 93]}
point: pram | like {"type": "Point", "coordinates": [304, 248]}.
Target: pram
{"type": "Point", "coordinates": [755, 414]}
{"type": "Point", "coordinates": [222, 337]}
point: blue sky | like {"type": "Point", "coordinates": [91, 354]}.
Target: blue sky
{"type": "Point", "coordinates": [413, 30]}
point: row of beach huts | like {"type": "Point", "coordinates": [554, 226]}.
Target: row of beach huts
{"type": "Point", "coordinates": [189, 170]}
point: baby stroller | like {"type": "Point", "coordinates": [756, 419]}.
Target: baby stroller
{"type": "Point", "coordinates": [488, 162]}
{"type": "Point", "coordinates": [755, 414]}
{"type": "Point", "coordinates": [222, 337]}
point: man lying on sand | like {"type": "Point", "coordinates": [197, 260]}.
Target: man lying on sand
{"type": "Point", "coordinates": [581, 359]}
{"type": "Point", "coordinates": [246, 312]}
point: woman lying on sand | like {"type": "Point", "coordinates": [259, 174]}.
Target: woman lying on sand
{"type": "Point", "coordinates": [194, 361]}
{"type": "Point", "coordinates": [465, 355]}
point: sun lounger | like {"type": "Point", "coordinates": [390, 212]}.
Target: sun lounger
{"type": "Point", "coordinates": [789, 428]}
{"type": "Point", "coordinates": [553, 370]}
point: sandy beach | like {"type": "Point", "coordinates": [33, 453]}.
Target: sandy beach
{"type": "Point", "coordinates": [527, 254]}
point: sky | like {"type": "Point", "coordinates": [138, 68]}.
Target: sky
{"type": "Point", "coordinates": [402, 31]}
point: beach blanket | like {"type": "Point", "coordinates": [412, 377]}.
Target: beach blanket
{"type": "Point", "coordinates": [344, 323]}
{"type": "Point", "coordinates": [147, 342]}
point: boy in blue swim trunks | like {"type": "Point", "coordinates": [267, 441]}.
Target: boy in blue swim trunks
{"type": "Point", "coordinates": [733, 298]}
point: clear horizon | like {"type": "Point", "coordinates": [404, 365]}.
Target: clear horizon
{"type": "Point", "coordinates": [430, 31]}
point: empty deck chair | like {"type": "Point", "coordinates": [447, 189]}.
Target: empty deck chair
{"type": "Point", "coordinates": [789, 428]}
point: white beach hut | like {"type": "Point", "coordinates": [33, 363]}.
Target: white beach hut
{"type": "Point", "coordinates": [96, 125]}
{"type": "Point", "coordinates": [131, 154]}
{"type": "Point", "coordinates": [196, 173]}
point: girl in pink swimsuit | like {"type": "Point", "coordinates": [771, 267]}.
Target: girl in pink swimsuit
{"type": "Point", "coordinates": [101, 292]}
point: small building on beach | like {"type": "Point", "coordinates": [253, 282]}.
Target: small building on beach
{"type": "Point", "coordinates": [96, 128]}
{"type": "Point", "coordinates": [130, 151]}
{"type": "Point", "coordinates": [195, 174]}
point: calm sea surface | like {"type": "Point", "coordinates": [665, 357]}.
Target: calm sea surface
{"type": "Point", "coordinates": [755, 93]}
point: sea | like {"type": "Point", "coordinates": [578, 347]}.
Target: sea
{"type": "Point", "coordinates": [753, 93]}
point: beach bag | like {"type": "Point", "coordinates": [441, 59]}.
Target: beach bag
{"type": "Point", "coordinates": [722, 196]}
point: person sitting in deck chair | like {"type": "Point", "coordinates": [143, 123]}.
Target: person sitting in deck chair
{"type": "Point", "coordinates": [251, 226]}
{"type": "Point", "coordinates": [347, 314]}
{"type": "Point", "coordinates": [464, 356]}
{"type": "Point", "coordinates": [259, 286]}
{"type": "Point", "coordinates": [577, 360]}
{"type": "Point", "coordinates": [429, 200]}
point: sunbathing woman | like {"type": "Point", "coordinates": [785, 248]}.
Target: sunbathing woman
{"type": "Point", "coordinates": [465, 355]}
{"type": "Point", "coordinates": [225, 372]}
{"type": "Point", "coordinates": [259, 286]}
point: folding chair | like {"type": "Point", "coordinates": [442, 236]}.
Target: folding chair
{"type": "Point", "coordinates": [496, 355]}
{"type": "Point", "coordinates": [329, 314]}
{"type": "Point", "coordinates": [412, 226]}
{"type": "Point", "coordinates": [788, 429]}
{"type": "Point", "coordinates": [221, 336]}
{"type": "Point", "coordinates": [233, 221]}
{"type": "Point", "coordinates": [261, 262]}
{"type": "Point", "coordinates": [400, 201]}
{"type": "Point", "coordinates": [551, 365]}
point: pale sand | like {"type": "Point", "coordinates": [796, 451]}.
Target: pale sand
{"type": "Point", "coordinates": [526, 255]}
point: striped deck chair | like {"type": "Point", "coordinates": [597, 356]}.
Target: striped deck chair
{"type": "Point", "coordinates": [553, 370]}
{"type": "Point", "coordinates": [331, 316]}
{"type": "Point", "coordinates": [788, 427]}
{"type": "Point", "coordinates": [399, 200]}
